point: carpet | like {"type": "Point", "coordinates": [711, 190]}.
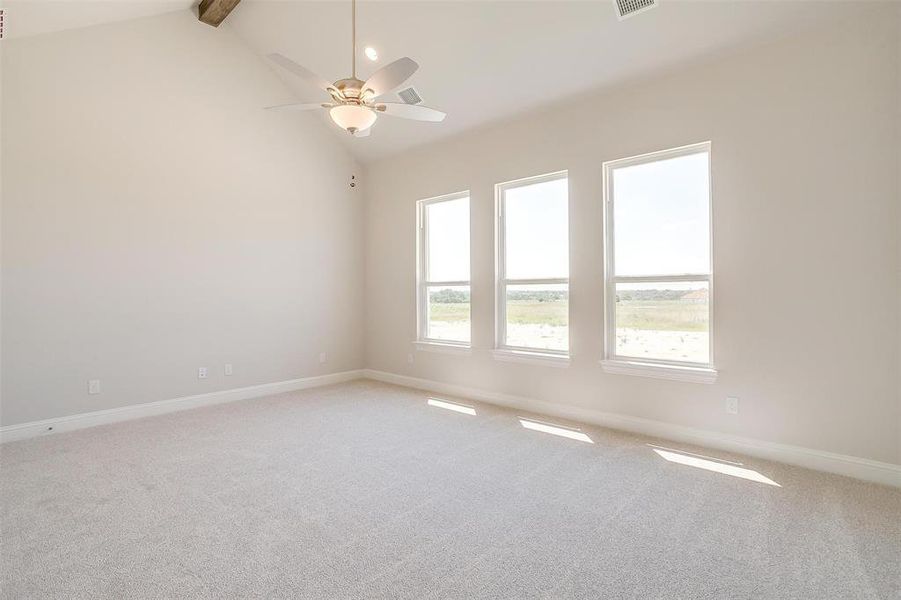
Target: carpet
{"type": "Point", "coordinates": [367, 490]}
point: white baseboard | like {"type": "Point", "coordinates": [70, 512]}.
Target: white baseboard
{"type": "Point", "coordinates": [11, 433]}
{"type": "Point", "coordinates": [850, 466]}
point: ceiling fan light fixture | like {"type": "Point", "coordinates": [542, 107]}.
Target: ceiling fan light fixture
{"type": "Point", "coordinates": [356, 104]}
{"type": "Point", "coordinates": [352, 117]}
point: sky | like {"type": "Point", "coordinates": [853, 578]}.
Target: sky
{"type": "Point", "coordinates": [449, 240]}
{"type": "Point", "coordinates": [661, 213]}
{"type": "Point", "coordinates": [536, 219]}
{"type": "Point", "coordinates": [661, 217]}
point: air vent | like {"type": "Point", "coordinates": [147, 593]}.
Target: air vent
{"type": "Point", "coordinates": [630, 8]}
{"type": "Point", "coordinates": [410, 96]}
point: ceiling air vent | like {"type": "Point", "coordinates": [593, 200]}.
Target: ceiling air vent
{"type": "Point", "coordinates": [630, 8]}
{"type": "Point", "coordinates": [410, 96]}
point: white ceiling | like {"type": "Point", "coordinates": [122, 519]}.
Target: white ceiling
{"type": "Point", "coordinates": [480, 61]}
{"type": "Point", "coordinates": [33, 17]}
{"type": "Point", "coordinates": [483, 61]}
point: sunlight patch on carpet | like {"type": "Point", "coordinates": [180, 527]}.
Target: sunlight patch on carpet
{"type": "Point", "coordinates": [693, 460]}
{"type": "Point", "coordinates": [460, 408]}
{"type": "Point", "coordinates": [567, 432]}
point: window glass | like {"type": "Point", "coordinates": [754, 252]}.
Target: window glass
{"type": "Point", "coordinates": [661, 211]}
{"type": "Point", "coordinates": [443, 280]}
{"type": "Point", "coordinates": [533, 263]}
{"type": "Point", "coordinates": [659, 278]}
{"type": "Point", "coordinates": [448, 239]}
{"type": "Point", "coordinates": [538, 316]}
{"type": "Point", "coordinates": [536, 217]}
{"type": "Point", "coordinates": [669, 321]}
{"type": "Point", "coordinates": [448, 313]}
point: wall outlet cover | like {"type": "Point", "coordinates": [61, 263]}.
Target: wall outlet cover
{"type": "Point", "coordinates": [732, 405]}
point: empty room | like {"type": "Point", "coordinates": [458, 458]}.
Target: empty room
{"type": "Point", "coordinates": [436, 299]}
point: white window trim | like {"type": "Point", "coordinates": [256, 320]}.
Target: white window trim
{"type": "Point", "coordinates": [443, 347]}
{"type": "Point", "coordinates": [422, 284]}
{"type": "Point", "coordinates": [531, 357]}
{"type": "Point", "coordinates": [503, 351]}
{"type": "Point", "coordinates": [659, 371]}
{"type": "Point", "coordinates": [656, 368]}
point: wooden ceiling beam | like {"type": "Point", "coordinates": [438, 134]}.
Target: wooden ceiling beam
{"type": "Point", "coordinates": [213, 12]}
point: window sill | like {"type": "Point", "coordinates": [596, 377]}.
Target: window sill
{"type": "Point", "coordinates": [673, 372]}
{"type": "Point", "coordinates": [442, 347]}
{"type": "Point", "coordinates": [531, 358]}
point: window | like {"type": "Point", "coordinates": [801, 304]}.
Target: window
{"type": "Point", "coordinates": [443, 281]}
{"type": "Point", "coordinates": [533, 265]}
{"type": "Point", "coordinates": [659, 276]}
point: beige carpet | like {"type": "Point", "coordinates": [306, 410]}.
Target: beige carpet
{"type": "Point", "coordinates": [363, 490]}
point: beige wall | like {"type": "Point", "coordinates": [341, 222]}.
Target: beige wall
{"type": "Point", "coordinates": [806, 216]}
{"type": "Point", "coordinates": [156, 219]}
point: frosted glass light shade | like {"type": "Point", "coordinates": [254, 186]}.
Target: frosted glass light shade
{"type": "Point", "coordinates": [353, 118]}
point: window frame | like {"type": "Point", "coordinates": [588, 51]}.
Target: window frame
{"type": "Point", "coordinates": [656, 367]}
{"type": "Point", "coordinates": [504, 351]}
{"type": "Point", "coordinates": [423, 283]}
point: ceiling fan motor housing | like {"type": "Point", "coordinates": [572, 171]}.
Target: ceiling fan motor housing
{"type": "Point", "coordinates": [350, 89]}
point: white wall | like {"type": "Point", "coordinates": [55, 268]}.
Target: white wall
{"type": "Point", "coordinates": [806, 219]}
{"type": "Point", "coordinates": [156, 219]}
{"type": "Point", "coordinates": [898, 148]}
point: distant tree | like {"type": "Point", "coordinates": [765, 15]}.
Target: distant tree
{"type": "Point", "coordinates": [449, 296]}
{"type": "Point", "coordinates": [650, 295]}
{"type": "Point", "coordinates": [536, 295]}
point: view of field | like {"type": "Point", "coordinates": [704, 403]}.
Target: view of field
{"type": "Point", "coordinates": [663, 324]}
{"type": "Point", "coordinates": [530, 323]}
{"type": "Point", "coordinates": [668, 324]}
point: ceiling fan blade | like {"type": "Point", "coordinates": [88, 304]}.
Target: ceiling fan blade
{"type": "Point", "coordinates": [390, 77]}
{"type": "Point", "coordinates": [411, 111]}
{"type": "Point", "coordinates": [301, 106]}
{"type": "Point", "coordinates": [302, 72]}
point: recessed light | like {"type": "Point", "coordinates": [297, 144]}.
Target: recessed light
{"type": "Point", "coordinates": [371, 53]}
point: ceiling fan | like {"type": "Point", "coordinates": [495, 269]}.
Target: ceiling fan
{"type": "Point", "coordinates": [355, 104]}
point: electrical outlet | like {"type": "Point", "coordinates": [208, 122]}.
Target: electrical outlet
{"type": "Point", "coordinates": [322, 358]}
{"type": "Point", "coordinates": [732, 405]}
{"type": "Point", "coordinates": [410, 358]}
{"type": "Point", "coordinates": [201, 373]}
{"type": "Point", "coordinates": [228, 369]}
{"type": "Point", "coordinates": [94, 386]}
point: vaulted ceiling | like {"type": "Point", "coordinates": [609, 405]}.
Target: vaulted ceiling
{"type": "Point", "coordinates": [34, 17]}
{"type": "Point", "coordinates": [480, 61]}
